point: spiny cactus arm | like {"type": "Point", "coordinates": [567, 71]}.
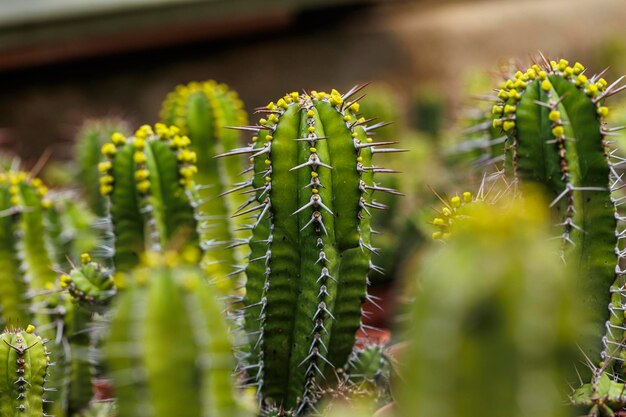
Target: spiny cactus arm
{"type": "Point", "coordinates": [13, 305]}
{"type": "Point", "coordinates": [202, 111]}
{"type": "Point", "coordinates": [125, 203]}
{"type": "Point", "coordinates": [24, 360]}
{"type": "Point", "coordinates": [79, 378]}
{"type": "Point", "coordinates": [146, 182]}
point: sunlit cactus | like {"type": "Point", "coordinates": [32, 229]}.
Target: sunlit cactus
{"type": "Point", "coordinates": [146, 178]}
{"type": "Point", "coordinates": [310, 254]}
{"type": "Point", "coordinates": [24, 364]}
{"type": "Point", "coordinates": [491, 333]}
{"type": "Point", "coordinates": [204, 111]}
{"type": "Point", "coordinates": [168, 349]}
{"type": "Point", "coordinates": [553, 117]}
{"type": "Point", "coordinates": [92, 135]}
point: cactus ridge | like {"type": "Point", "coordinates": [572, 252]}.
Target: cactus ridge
{"type": "Point", "coordinates": [189, 378]}
{"type": "Point", "coordinates": [203, 111]}
{"type": "Point", "coordinates": [146, 178]}
{"type": "Point", "coordinates": [25, 361]}
{"type": "Point", "coordinates": [310, 251]}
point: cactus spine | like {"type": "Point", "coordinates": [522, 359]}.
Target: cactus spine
{"type": "Point", "coordinates": [24, 368]}
{"type": "Point", "coordinates": [202, 111]}
{"type": "Point", "coordinates": [168, 348]}
{"type": "Point", "coordinates": [146, 178]}
{"type": "Point", "coordinates": [553, 115]}
{"type": "Point", "coordinates": [310, 251]}
{"type": "Point", "coordinates": [488, 336]}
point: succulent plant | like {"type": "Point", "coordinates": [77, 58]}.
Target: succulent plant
{"type": "Point", "coordinates": [146, 178]}
{"type": "Point", "coordinates": [487, 336]}
{"type": "Point", "coordinates": [25, 361]}
{"type": "Point", "coordinates": [168, 348]}
{"type": "Point", "coordinates": [91, 136]}
{"type": "Point", "coordinates": [203, 112]}
{"type": "Point", "coordinates": [310, 254]}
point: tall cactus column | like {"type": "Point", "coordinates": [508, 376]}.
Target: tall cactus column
{"type": "Point", "coordinates": [146, 178]}
{"type": "Point", "coordinates": [553, 116]}
{"type": "Point", "coordinates": [310, 252]}
{"type": "Point", "coordinates": [202, 111]}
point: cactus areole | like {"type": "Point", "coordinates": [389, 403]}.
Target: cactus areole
{"type": "Point", "coordinates": [311, 206]}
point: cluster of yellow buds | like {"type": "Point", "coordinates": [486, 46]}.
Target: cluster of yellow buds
{"type": "Point", "coordinates": [18, 179]}
{"type": "Point", "coordinates": [449, 214]}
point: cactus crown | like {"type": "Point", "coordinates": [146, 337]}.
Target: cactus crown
{"type": "Point", "coordinates": [146, 178]}
{"type": "Point", "coordinates": [310, 255]}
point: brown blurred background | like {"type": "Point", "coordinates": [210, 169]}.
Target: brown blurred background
{"type": "Point", "coordinates": [62, 61]}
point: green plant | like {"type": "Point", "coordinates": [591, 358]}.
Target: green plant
{"type": "Point", "coordinates": [490, 333]}
{"type": "Point", "coordinates": [25, 361]}
{"type": "Point", "coordinates": [91, 136]}
{"type": "Point", "coordinates": [168, 349]}
{"type": "Point", "coordinates": [310, 251]}
{"type": "Point", "coordinates": [204, 111]}
{"type": "Point", "coordinates": [146, 179]}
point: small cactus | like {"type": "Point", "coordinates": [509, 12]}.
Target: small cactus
{"type": "Point", "coordinates": [92, 135]}
{"type": "Point", "coordinates": [24, 367]}
{"type": "Point", "coordinates": [487, 335]}
{"type": "Point", "coordinates": [89, 284]}
{"type": "Point", "coordinates": [168, 349]}
{"type": "Point", "coordinates": [310, 255]}
{"type": "Point", "coordinates": [203, 111]}
{"type": "Point", "coordinates": [146, 178]}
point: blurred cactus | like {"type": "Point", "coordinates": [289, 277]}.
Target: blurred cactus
{"type": "Point", "coordinates": [168, 349]}
{"type": "Point", "coordinates": [487, 335]}
{"type": "Point", "coordinates": [302, 329]}
{"type": "Point", "coordinates": [92, 135]}
{"type": "Point", "coordinates": [146, 178]}
{"type": "Point", "coordinates": [428, 109]}
{"type": "Point", "coordinates": [553, 117]}
{"type": "Point", "coordinates": [25, 361]}
{"type": "Point", "coordinates": [203, 111]}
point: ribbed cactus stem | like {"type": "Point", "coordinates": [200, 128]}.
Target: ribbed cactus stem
{"type": "Point", "coordinates": [307, 273]}
{"type": "Point", "coordinates": [168, 348]}
{"type": "Point", "coordinates": [23, 367]}
{"type": "Point", "coordinates": [146, 178]}
{"type": "Point", "coordinates": [491, 334]}
{"type": "Point", "coordinates": [203, 111]}
{"type": "Point", "coordinates": [553, 116]}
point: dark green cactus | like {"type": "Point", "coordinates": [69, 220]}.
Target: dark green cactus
{"type": "Point", "coordinates": [92, 135]}
{"type": "Point", "coordinates": [552, 115]}
{"type": "Point", "coordinates": [146, 178]}
{"type": "Point", "coordinates": [24, 367]}
{"type": "Point", "coordinates": [202, 111]}
{"type": "Point", "coordinates": [491, 334]}
{"type": "Point", "coordinates": [168, 349]}
{"type": "Point", "coordinates": [310, 252]}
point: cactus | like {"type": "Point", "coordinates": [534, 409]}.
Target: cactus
{"type": "Point", "coordinates": [92, 135]}
{"type": "Point", "coordinates": [310, 251]}
{"type": "Point", "coordinates": [168, 348]}
{"type": "Point", "coordinates": [25, 361]}
{"type": "Point", "coordinates": [369, 371]}
{"type": "Point", "coordinates": [552, 115]}
{"type": "Point", "coordinates": [487, 335]}
{"type": "Point", "coordinates": [202, 111]}
{"type": "Point", "coordinates": [146, 178]}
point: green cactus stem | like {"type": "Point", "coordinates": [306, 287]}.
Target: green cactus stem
{"type": "Point", "coordinates": [146, 178]}
{"type": "Point", "coordinates": [89, 284]}
{"type": "Point", "coordinates": [202, 111]}
{"type": "Point", "coordinates": [24, 366]}
{"type": "Point", "coordinates": [168, 349]}
{"type": "Point", "coordinates": [492, 334]}
{"type": "Point", "coordinates": [553, 117]}
{"type": "Point", "coordinates": [310, 251]}
{"type": "Point", "coordinates": [92, 135]}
